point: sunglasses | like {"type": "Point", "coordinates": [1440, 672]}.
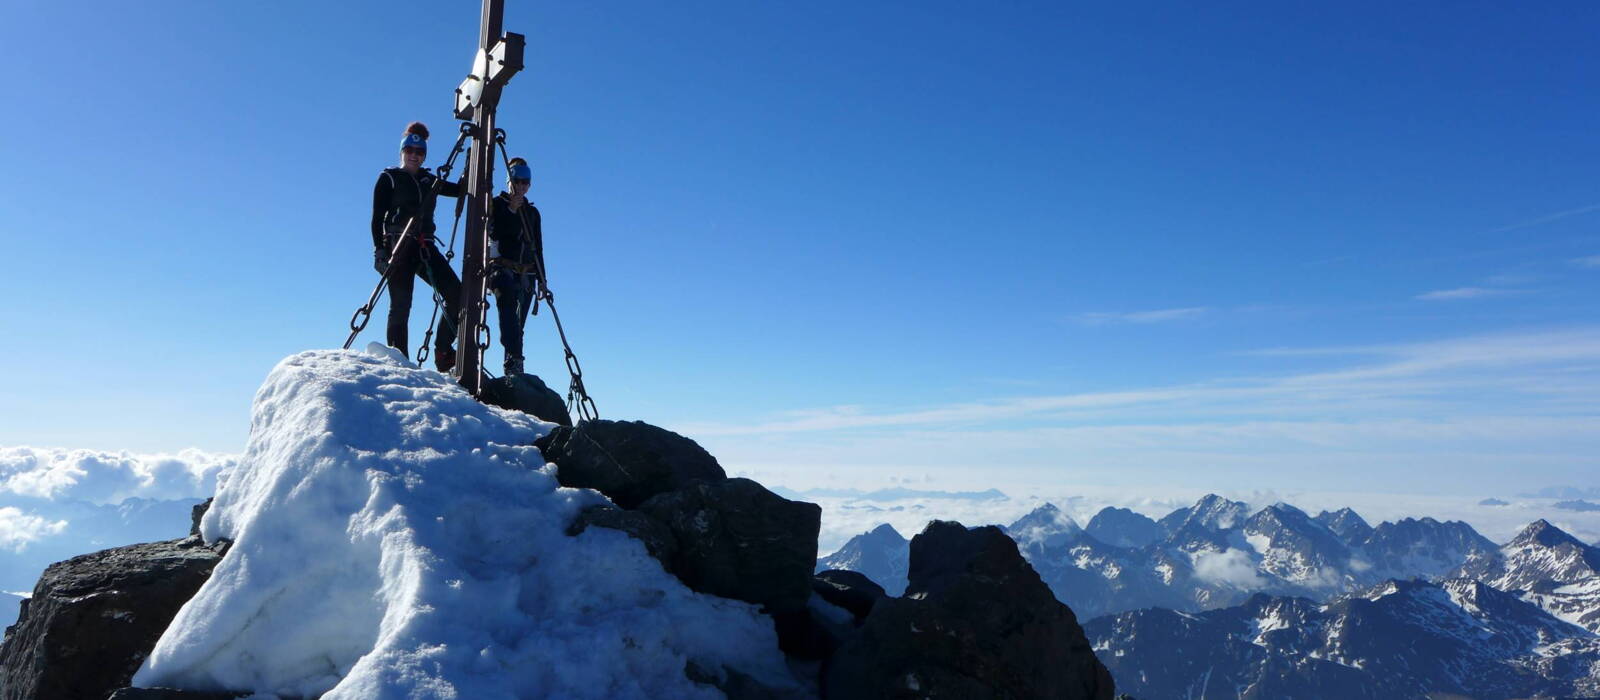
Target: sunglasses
{"type": "Point", "coordinates": [418, 151]}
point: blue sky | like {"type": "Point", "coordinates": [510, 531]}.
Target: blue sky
{"type": "Point", "coordinates": [1259, 246]}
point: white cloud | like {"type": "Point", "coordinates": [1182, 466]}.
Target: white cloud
{"type": "Point", "coordinates": [1590, 261]}
{"type": "Point", "coordinates": [109, 477]}
{"type": "Point", "coordinates": [1550, 372]}
{"type": "Point", "coordinates": [1548, 218]}
{"type": "Point", "coordinates": [1231, 567]}
{"type": "Point", "coordinates": [1097, 318]}
{"type": "Point", "coordinates": [18, 529]}
{"type": "Point", "coordinates": [1465, 293]}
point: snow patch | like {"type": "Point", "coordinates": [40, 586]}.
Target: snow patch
{"type": "Point", "coordinates": [394, 538]}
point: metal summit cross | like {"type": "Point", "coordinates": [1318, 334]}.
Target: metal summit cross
{"type": "Point", "coordinates": [499, 57]}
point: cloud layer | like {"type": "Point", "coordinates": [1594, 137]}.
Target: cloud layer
{"type": "Point", "coordinates": [55, 474]}
{"type": "Point", "coordinates": [19, 529]}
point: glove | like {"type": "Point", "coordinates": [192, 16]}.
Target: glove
{"type": "Point", "coordinates": [380, 260]}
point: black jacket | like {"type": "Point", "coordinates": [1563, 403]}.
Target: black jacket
{"type": "Point", "coordinates": [399, 195]}
{"type": "Point", "coordinates": [507, 231]}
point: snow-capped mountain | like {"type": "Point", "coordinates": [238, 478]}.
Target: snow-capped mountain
{"type": "Point", "coordinates": [1211, 554]}
{"type": "Point", "coordinates": [1121, 527]}
{"type": "Point", "coordinates": [1548, 568]}
{"type": "Point", "coordinates": [1425, 547]}
{"type": "Point", "coordinates": [1298, 550]}
{"type": "Point", "coordinates": [1043, 529]}
{"type": "Point", "coordinates": [1347, 524]}
{"type": "Point", "coordinates": [882, 554]}
{"type": "Point", "coordinates": [1401, 639]}
{"type": "Point", "coordinates": [1212, 512]}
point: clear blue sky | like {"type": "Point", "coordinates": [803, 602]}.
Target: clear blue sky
{"type": "Point", "coordinates": [858, 241]}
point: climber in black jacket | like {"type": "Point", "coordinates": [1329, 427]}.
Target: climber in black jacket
{"type": "Point", "coordinates": [517, 249]}
{"type": "Point", "coordinates": [401, 195]}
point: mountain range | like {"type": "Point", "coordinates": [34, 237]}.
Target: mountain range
{"type": "Point", "coordinates": [1213, 600]}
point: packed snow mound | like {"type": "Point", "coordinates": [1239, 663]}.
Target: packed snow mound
{"type": "Point", "coordinates": [394, 538]}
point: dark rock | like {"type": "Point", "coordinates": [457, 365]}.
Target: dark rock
{"type": "Point", "coordinates": [171, 694]}
{"type": "Point", "coordinates": [850, 590]}
{"type": "Point", "coordinates": [93, 619]}
{"type": "Point", "coordinates": [739, 686]}
{"type": "Point", "coordinates": [976, 622]}
{"type": "Point", "coordinates": [195, 514]}
{"type": "Point", "coordinates": [627, 461]}
{"type": "Point", "coordinates": [657, 539]}
{"type": "Point", "coordinates": [738, 540]}
{"type": "Point", "coordinates": [526, 393]}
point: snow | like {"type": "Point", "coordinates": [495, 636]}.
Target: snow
{"type": "Point", "coordinates": [394, 538]}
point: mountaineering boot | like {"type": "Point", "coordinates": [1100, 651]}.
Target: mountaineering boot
{"type": "Point", "coordinates": [513, 366]}
{"type": "Point", "coordinates": [444, 359]}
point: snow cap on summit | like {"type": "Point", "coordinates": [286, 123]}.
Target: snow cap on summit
{"type": "Point", "coordinates": [394, 538]}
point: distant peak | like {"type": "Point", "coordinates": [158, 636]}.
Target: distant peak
{"type": "Point", "coordinates": [1541, 532]}
{"type": "Point", "coordinates": [886, 530]}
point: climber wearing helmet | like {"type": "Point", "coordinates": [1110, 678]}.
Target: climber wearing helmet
{"type": "Point", "coordinates": [517, 248]}
{"type": "Point", "coordinates": [403, 245]}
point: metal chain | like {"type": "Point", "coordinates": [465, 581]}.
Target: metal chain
{"type": "Point", "coordinates": [449, 254]}
{"type": "Point", "coordinates": [578, 400]}
{"type": "Point", "coordinates": [359, 320]}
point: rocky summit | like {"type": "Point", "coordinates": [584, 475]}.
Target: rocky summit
{"type": "Point", "coordinates": [610, 528]}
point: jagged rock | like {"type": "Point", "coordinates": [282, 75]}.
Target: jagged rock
{"type": "Point", "coordinates": [526, 393]}
{"type": "Point", "coordinates": [657, 539]}
{"type": "Point", "coordinates": [738, 540]}
{"type": "Point", "coordinates": [171, 694]}
{"type": "Point", "coordinates": [739, 686]}
{"type": "Point", "coordinates": [92, 619]}
{"type": "Point", "coordinates": [850, 590]}
{"type": "Point", "coordinates": [976, 622]}
{"type": "Point", "coordinates": [627, 461]}
{"type": "Point", "coordinates": [195, 514]}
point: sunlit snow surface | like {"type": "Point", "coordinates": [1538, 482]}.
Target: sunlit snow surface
{"type": "Point", "coordinates": [394, 538]}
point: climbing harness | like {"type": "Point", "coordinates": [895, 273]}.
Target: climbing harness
{"type": "Point", "coordinates": [363, 315]}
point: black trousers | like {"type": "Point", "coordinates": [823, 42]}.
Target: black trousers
{"type": "Point", "coordinates": [425, 261]}
{"type": "Point", "coordinates": [513, 296]}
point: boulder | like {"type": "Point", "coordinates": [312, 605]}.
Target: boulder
{"type": "Point", "coordinates": [738, 540]}
{"type": "Point", "coordinates": [850, 590]}
{"type": "Point", "coordinates": [93, 619]}
{"type": "Point", "coordinates": [627, 461]}
{"type": "Point", "coordinates": [526, 393]}
{"type": "Point", "coordinates": [657, 539]}
{"type": "Point", "coordinates": [976, 622]}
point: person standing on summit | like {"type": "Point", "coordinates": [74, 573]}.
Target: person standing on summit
{"type": "Point", "coordinates": [403, 245]}
{"type": "Point", "coordinates": [517, 248]}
